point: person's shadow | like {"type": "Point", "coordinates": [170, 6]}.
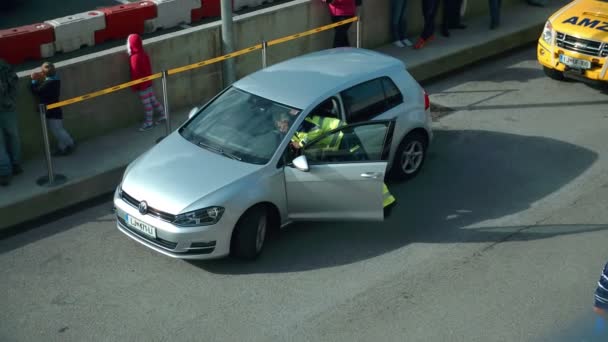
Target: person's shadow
{"type": "Point", "coordinates": [469, 177]}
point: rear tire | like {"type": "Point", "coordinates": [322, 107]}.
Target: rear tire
{"type": "Point", "coordinates": [250, 233]}
{"type": "Point", "coordinates": [554, 74]}
{"type": "Point", "coordinates": [410, 156]}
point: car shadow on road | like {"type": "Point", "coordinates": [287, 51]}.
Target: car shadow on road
{"type": "Point", "coordinates": [477, 176]}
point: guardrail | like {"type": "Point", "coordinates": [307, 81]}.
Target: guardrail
{"type": "Point", "coordinates": [53, 179]}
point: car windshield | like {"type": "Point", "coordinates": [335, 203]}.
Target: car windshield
{"type": "Point", "coordinates": [241, 126]}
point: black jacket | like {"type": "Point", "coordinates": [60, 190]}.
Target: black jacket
{"type": "Point", "coordinates": [48, 92]}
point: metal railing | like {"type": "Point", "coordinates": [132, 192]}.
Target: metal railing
{"type": "Point", "coordinates": [53, 179]}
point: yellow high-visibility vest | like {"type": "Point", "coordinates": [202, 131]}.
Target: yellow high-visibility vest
{"type": "Point", "coordinates": [322, 125]}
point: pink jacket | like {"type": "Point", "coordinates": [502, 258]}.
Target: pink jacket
{"type": "Point", "coordinates": [342, 8]}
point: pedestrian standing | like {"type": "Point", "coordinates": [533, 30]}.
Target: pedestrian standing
{"type": "Point", "coordinates": [601, 294]}
{"type": "Point", "coordinates": [399, 23]}
{"type": "Point", "coordinates": [495, 13]}
{"type": "Point", "coordinates": [429, 12]}
{"type": "Point", "coordinates": [341, 10]}
{"type": "Point", "coordinates": [10, 145]}
{"type": "Point", "coordinates": [451, 16]}
{"type": "Point", "coordinates": [47, 86]}
{"type": "Point", "coordinates": [140, 66]}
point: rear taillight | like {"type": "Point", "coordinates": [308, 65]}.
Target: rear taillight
{"type": "Point", "coordinates": [427, 100]}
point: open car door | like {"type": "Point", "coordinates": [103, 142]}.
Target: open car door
{"type": "Point", "coordinates": [340, 175]}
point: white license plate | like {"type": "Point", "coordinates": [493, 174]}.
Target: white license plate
{"type": "Point", "coordinates": [142, 227]}
{"type": "Point", "coordinates": [575, 62]}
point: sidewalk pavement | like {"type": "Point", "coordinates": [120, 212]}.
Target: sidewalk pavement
{"type": "Point", "coordinates": [97, 165]}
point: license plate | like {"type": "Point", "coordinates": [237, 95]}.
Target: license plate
{"type": "Point", "coordinates": [142, 227]}
{"type": "Point", "coordinates": [575, 62]}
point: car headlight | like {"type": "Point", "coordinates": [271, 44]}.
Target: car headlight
{"type": "Point", "coordinates": [548, 32]}
{"type": "Point", "coordinates": [201, 217]}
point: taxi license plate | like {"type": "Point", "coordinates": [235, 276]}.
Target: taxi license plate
{"type": "Point", "coordinates": [575, 62]}
{"type": "Point", "coordinates": [142, 227]}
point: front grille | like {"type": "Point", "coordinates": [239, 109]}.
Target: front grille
{"type": "Point", "coordinates": [588, 47]}
{"type": "Point", "coordinates": [157, 241]}
{"type": "Point", "coordinates": [151, 211]}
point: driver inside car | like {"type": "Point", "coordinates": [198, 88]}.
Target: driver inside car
{"type": "Point", "coordinates": [321, 121]}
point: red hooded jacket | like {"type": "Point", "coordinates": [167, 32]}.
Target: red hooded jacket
{"type": "Point", "coordinates": [139, 61]}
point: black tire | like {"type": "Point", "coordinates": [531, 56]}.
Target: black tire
{"type": "Point", "coordinates": [244, 242]}
{"type": "Point", "coordinates": [416, 140]}
{"type": "Point", "coordinates": [554, 74]}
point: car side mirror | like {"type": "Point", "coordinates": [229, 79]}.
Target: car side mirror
{"type": "Point", "coordinates": [301, 163]}
{"type": "Point", "coordinates": [192, 112]}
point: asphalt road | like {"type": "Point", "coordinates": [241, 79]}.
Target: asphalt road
{"type": "Point", "coordinates": [502, 237]}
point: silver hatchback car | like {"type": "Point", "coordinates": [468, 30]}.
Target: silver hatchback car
{"type": "Point", "coordinates": [230, 173]}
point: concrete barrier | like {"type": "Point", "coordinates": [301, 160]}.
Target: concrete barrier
{"type": "Point", "coordinates": [110, 67]}
{"type": "Point", "coordinates": [171, 13]}
{"type": "Point", "coordinates": [77, 30]}
{"type": "Point", "coordinates": [238, 5]}
{"type": "Point", "coordinates": [22, 43]}
{"type": "Point", "coordinates": [122, 20]}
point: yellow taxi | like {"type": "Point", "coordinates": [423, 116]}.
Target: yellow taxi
{"type": "Point", "coordinates": [574, 41]}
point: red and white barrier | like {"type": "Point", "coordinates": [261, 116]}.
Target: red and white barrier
{"type": "Point", "coordinates": [74, 31]}
{"type": "Point", "coordinates": [123, 20]}
{"type": "Point", "coordinates": [197, 14]}
{"type": "Point", "coordinates": [171, 13]}
{"type": "Point", "coordinates": [212, 8]}
{"type": "Point", "coordinates": [27, 42]}
{"type": "Point", "coordinates": [240, 4]}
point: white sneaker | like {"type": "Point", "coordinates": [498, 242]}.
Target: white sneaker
{"type": "Point", "coordinates": [146, 126]}
{"type": "Point", "coordinates": [407, 42]}
{"type": "Point", "coordinates": [398, 43]}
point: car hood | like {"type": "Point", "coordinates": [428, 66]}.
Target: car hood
{"type": "Point", "coordinates": [583, 18]}
{"type": "Point", "coordinates": [176, 173]}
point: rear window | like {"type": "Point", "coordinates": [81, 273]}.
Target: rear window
{"type": "Point", "coordinates": [369, 99]}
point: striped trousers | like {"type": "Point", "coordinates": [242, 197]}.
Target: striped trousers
{"type": "Point", "coordinates": [148, 99]}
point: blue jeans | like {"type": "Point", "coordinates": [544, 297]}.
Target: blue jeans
{"type": "Point", "coordinates": [10, 145]}
{"type": "Point", "coordinates": [398, 19]}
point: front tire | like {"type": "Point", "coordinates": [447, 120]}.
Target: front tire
{"type": "Point", "coordinates": [410, 156]}
{"type": "Point", "coordinates": [553, 74]}
{"type": "Point", "coordinates": [250, 234]}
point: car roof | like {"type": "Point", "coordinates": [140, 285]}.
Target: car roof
{"type": "Point", "coordinates": [302, 80]}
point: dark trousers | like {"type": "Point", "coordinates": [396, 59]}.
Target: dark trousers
{"type": "Point", "coordinates": [451, 13]}
{"type": "Point", "coordinates": [495, 11]}
{"type": "Point", "coordinates": [341, 32]}
{"type": "Point", "coordinates": [429, 12]}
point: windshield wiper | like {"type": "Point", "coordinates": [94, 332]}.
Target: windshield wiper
{"type": "Point", "coordinates": [219, 150]}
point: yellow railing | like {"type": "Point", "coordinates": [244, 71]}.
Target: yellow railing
{"type": "Point", "coordinates": [200, 64]}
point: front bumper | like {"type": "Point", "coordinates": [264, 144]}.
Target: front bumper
{"type": "Point", "coordinates": [548, 56]}
{"type": "Point", "coordinates": [196, 243]}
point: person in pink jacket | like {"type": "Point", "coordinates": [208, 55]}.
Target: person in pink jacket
{"type": "Point", "coordinates": [341, 10]}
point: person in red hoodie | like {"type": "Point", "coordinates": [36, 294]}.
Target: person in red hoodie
{"type": "Point", "coordinates": [341, 10]}
{"type": "Point", "coordinates": [140, 66]}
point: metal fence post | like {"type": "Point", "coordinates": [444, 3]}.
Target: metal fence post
{"type": "Point", "coordinates": [264, 53]}
{"type": "Point", "coordinates": [51, 179]}
{"type": "Point", "coordinates": [166, 101]}
{"type": "Point", "coordinates": [358, 31]}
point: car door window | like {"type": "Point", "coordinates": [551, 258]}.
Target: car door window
{"type": "Point", "coordinates": [353, 143]}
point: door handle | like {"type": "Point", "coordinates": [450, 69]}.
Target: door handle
{"type": "Point", "coordinates": [371, 174]}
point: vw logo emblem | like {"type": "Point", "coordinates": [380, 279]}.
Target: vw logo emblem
{"type": "Point", "coordinates": [143, 207]}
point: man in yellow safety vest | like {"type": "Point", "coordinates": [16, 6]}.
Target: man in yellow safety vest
{"type": "Point", "coordinates": [318, 126]}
